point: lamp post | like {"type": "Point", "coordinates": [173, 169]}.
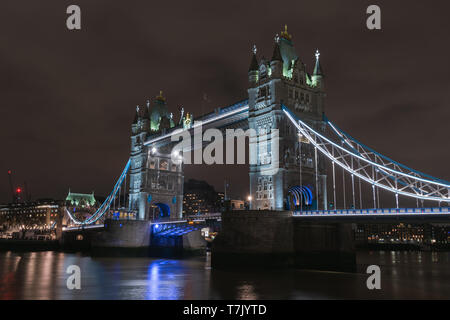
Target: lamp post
{"type": "Point", "coordinates": [249, 198]}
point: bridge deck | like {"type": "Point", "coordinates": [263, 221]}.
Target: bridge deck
{"type": "Point", "coordinates": [412, 215]}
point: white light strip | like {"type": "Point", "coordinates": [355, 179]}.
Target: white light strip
{"type": "Point", "coordinates": [168, 222]}
{"type": "Point", "coordinates": [228, 114]}
{"type": "Point", "coordinates": [345, 139]}
{"type": "Point", "coordinates": [353, 171]}
{"type": "Point", "coordinates": [367, 160]}
{"type": "Point", "coordinates": [332, 213]}
{"type": "Point", "coordinates": [95, 226]}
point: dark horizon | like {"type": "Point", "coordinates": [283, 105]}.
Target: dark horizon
{"type": "Point", "coordinates": [68, 97]}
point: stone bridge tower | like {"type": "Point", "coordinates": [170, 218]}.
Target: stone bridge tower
{"type": "Point", "coordinates": [284, 81]}
{"type": "Point", "coordinates": [156, 178]}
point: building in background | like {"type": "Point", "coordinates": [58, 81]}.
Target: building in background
{"type": "Point", "coordinates": [40, 216]}
{"type": "Point", "coordinates": [237, 205]}
{"type": "Point", "coordinates": [200, 198]}
{"type": "Point", "coordinates": [420, 235]}
{"type": "Point", "coordinates": [81, 199]}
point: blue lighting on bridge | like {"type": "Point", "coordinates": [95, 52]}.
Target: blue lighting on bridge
{"type": "Point", "coordinates": [164, 210]}
{"type": "Point", "coordinates": [302, 195]}
{"type": "Point", "coordinates": [169, 230]}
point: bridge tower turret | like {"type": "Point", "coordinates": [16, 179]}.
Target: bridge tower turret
{"type": "Point", "coordinates": [253, 69]}
{"type": "Point", "coordinates": [276, 64]}
{"type": "Point", "coordinates": [284, 82]}
{"type": "Point", "coordinates": [139, 132]}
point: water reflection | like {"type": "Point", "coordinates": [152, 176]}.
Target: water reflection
{"type": "Point", "coordinates": [42, 275]}
{"type": "Point", "coordinates": [166, 280]}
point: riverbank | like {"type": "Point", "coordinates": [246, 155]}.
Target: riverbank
{"type": "Point", "coordinates": [29, 245]}
{"type": "Point", "coordinates": [402, 247]}
{"type": "Point", "coordinates": [54, 245]}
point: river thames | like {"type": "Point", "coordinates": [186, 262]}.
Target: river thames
{"type": "Point", "coordinates": [42, 275]}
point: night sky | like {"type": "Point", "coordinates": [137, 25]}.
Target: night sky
{"type": "Point", "coordinates": [68, 97]}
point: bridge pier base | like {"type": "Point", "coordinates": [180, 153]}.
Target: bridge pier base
{"type": "Point", "coordinates": [324, 246]}
{"type": "Point", "coordinates": [137, 238]}
{"type": "Point", "coordinates": [262, 239]}
{"type": "Point", "coordinates": [123, 238]}
{"type": "Point", "coordinates": [189, 244]}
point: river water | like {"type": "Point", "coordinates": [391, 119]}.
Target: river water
{"type": "Point", "coordinates": [42, 275]}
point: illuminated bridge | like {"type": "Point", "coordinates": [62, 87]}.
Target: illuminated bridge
{"type": "Point", "coordinates": [300, 161]}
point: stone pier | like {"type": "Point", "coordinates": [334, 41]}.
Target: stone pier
{"type": "Point", "coordinates": [130, 237]}
{"type": "Point", "coordinates": [277, 239]}
{"type": "Point", "coordinates": [136, 238]}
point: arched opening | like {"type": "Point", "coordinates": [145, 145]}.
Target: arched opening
{"type": "Point", "coordinates": [162, 210]}
{"type": "Point", "coordinates": [300, 197]}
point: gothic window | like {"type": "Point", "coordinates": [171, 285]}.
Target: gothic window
{"type": "Point", "coordinates": [262, 92]}
{"type": "Point", "coordinates": [174, 167]}
{"type": "Point", "coordinates": [307, 98]}
{"type": "Point", "coordinates": [163, 165]}
{"type": "Point", "coordinates": [152, 165]}
{"type": "Point", "coordinates": [296, 77]}
{"type": "Point", "coordinates": [302, 97]}
{"type": "Point", "coordinates": [262, 71]}
{"type": "Point", "coordinates": [290, 94]}
{"type": "Point", "coordinates": [296, 94]}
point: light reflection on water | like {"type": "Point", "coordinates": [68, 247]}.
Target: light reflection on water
{"type": "Point", "coordinates": [42, 275]}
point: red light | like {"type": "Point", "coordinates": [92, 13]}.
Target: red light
{"type": "Point", "coordinates": [18, 190]}
{"type": "Point", "coordinates": [9, 171]}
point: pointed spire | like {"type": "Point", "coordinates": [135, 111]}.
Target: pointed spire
{"type": "Point", "coordinates": [254, 62]}
{"type": "Point", "coordinates": [146, 110]}
{"type": "Point", "coordinates": [276, 51]}
{"type": "Point", "coordinates": [136, 116]}
{"type": "Point", "coordinates": [181, 115]}
{"type": "Point", "coordinates": [317, 67]}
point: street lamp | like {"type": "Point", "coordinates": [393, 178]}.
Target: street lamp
{"type": "Point", "coordinates": [249, 198]}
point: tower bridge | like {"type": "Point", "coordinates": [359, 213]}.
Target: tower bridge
{"type": "Point", "coordinates": [303, 163]}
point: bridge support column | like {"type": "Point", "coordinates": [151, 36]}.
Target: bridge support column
{"type": "Point", "coordinates": [324, 246]}
{"type": "Point", "coordinates": [261, 239]}
{"type": "Point", "coordinates": [143, 206]}
{"type": "Point", "coordinates": [123, 237]}
{"type": "Point", "coordinates": [324, 192]}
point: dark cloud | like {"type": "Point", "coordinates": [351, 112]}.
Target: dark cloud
{"type": "Point", "coordinates": [67, 98]}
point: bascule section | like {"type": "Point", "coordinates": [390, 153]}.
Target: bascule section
{"type": "Point", "coordinates": [288, 174]}
{"type": "Point", "coordinates": [156, 176]}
